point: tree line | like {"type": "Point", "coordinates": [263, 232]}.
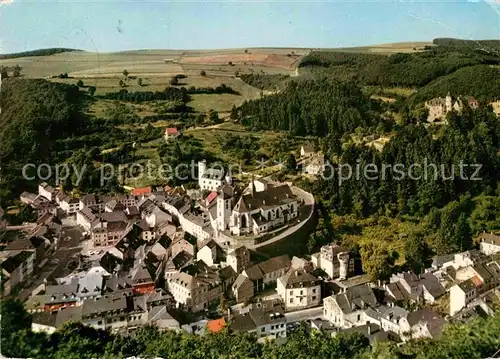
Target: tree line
{"type": "Point", "coordinates": [475, 339]}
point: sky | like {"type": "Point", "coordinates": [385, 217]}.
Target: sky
{"type": "Point", "coordinates": [118, 25]}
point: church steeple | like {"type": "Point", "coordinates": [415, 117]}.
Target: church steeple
{"type": "Point", "coordinates": [252, 186]}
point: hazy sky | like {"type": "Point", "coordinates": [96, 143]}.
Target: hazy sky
{"type": "Point", "coordinates": [122, 25]}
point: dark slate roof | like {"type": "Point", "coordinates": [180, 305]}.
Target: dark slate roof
{"type": "Point", "coordinates": [213, 174]}
{"type": "Point", "coordinates": [45, 318]}
{"type": "Point", "coordinates": [272, 197]}
{"type": "Point", "coordinates": [69, 314]}
{"type": "Point", "coordinates": [12, 263]}
{"type": "Point", "coordinates": [106, 304]}
{"type": "Point", "coordinates": [356, 298]}
{"type": "Point", "coordinates": [118, 216]}
{"type": "Point", "coordinates": [267, 312]}
{"type": "Point", "coordinates": [467, 285]}
{"type": "Point", "coordinates": [226, 273]}
{"type": "Point", "coordinates": [275, 263]}
{"type": "Point", "coordinates": [296, 278]}
{"type": "Point", "coordinates": [433, 321]}
{"type": "Point", "coordinates": [242, 323]}
{"type": "Point", "coordinates": [489, 238]}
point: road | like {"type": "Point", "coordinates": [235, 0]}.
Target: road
{"type": "Point", "coordinates": [301, 315]}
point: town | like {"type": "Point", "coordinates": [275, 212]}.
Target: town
{"type": "Point", "coordinates": [189, 261]}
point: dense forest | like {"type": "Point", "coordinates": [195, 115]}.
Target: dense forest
{"type": "Point", "coordinates": [481, 81]}
{"type": "Point", "coordinates": [40, 52]}
{"type": "Point", "coordinates": [311, 107]}
{"type": "Point", "coordinates": [476, 339]}
{"type": "Point", "coordinates": [169, 94]}
{"type": "Point", "coordinates": [264, 82]}
{"type": "Point", "coordinates": [400, 69]}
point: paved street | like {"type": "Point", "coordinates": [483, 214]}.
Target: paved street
{"type": "Point", "coordinates": [301, 315]}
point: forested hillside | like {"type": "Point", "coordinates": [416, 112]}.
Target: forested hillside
{"type": "Point", "coordinates": [476, 339]}
{"type": "Point", "coordinates": [481, 81]}
{"type": "Point", "coordinates": [312, 107]}
{"type": "Point", "coordinates": [40, 52]}
{"type": "Point", "coordinates": [404, 70]}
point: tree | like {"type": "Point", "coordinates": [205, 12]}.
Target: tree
{"type": "Point", "coordinates": [125, 73]}
{"type": "Point", "coordinates": [14, 317]}
{"type": "Point", "coordinates": [174, 81]}
{"type": "Point", "coordinates": [377, 260]}
{"type": "Point", "coordinates": [17, 71]}
{"type": "Point", "coordinates": [230, 63]}
{"type": "Point", "coordinates": [203, 73]}
{"type": "Point", "coordinates": [139, 81]}
{"type": "Point", "coordinates": [79, 83]}
{"type": "Point", "coordinates": [92, 90]}
{"type": "Point", "coordinates": [234, 113]}
{"type": "Point", "coordinates": [415, 251]}
{"type": "Point", "coordinates": [236, 73]}
{"type": "Point", "coordinates": [291, 162]}
{"type": "Point", "coordinates": [3, 72]}
{"type": "Point", "coordinates": [122, 83]}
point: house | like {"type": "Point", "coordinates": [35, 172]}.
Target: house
{"type": "Point", "coordinates": [347, 309]}
{"type": "Point", "coordinates": [413, 288]}
{"type": "Point", "coordinates": [422, 323]}
{"type": "Point", "coordinates": [171, 133]}
{"type": "Point", "coordinates": [210, 253]}
{"type": "Point", "coordinates": [195, 292]}
{"type": "Point", "coordinates": [47, 191]}
{"type": "Point", "coordinates": [266, 319]}
{"type": "Point", "coordinates": [118, 313]}
{"type": "Point", "coordinates": [314, 165]}
{"type": "Point", "coordinates": [243, 289]}
{"type": "Point", "coordinates": [211, 178]}
{"type": "Point", "coordinates": [439, 107]}
{"type": "Point", "coordinates": [260, 275]}
{"type": "Point", "coordinates": [60, 296]}
{"type": "Point", "coordinates": [489, 243]}
{"type": "Point", "coordinates": [69, 205]}
{"type": "Point", "coordinates": [142, 191]}
{"type": "Point", "coordinates": [16, 269]}
{"type": "Point", "coordinates": [238, 258]}
{"type": "Point", "coordinates": [43, 323]}
{"type": "Point", "coordinates": [334, 260]}
{"type": "Point", "coordinates": [388, 318]}
{"type": "Point", "coordinates": [462, 294]}
{"type": "Point", "coordinates": [306, 150]}
{"type": "Point", "coordinates": [299, 289]}
{"type": "Point", "coordinates": [216, 325]}
{"type": "Point", "coordinates": [473, 281]}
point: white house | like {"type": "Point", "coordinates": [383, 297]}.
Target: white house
{"type": "Point", "coordinates": [489, 243]}
{"type": "Point", "coordinates": [299, 289]}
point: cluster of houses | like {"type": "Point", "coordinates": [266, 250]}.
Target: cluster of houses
{"type": "Point", "coordinates": [439, 107]}
{"type": "Point", "coordinates": [156, 252]}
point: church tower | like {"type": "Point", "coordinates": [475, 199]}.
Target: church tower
{"type": "Point", "coordinates": [224, 209]}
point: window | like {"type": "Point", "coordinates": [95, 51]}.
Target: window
{"type": "Point", "coordinates": [291, 292]}
{"type": "Point", "coordinates": [99, 322]}
{"type": "Point", "coordinates": [262, 329]}
{"type": "Point", "coordinates": [314, 290]}
{"type": "Point", "coordinates": [314, 297]}
{"type": "Point", "coordinates": [301, 292]}
{"type": "Point", "coordinates": [291, 300]}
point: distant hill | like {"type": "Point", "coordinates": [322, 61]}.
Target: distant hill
{"type": "Point", "coordinates": [40, 52]}
{"type": "Point", "coordinates": [481, 81]}
{"type": "Point", "coordinates": [482, 45]}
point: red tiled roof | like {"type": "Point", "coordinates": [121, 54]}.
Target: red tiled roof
{"type": "Point", "coordinates": [140, 191]}
{"type": "Point", "coordinates": [215, 326]}
{"type": "Point", "coordinates": [211, 197]}
{"type": "Point", "coordinates": [171, 131]}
